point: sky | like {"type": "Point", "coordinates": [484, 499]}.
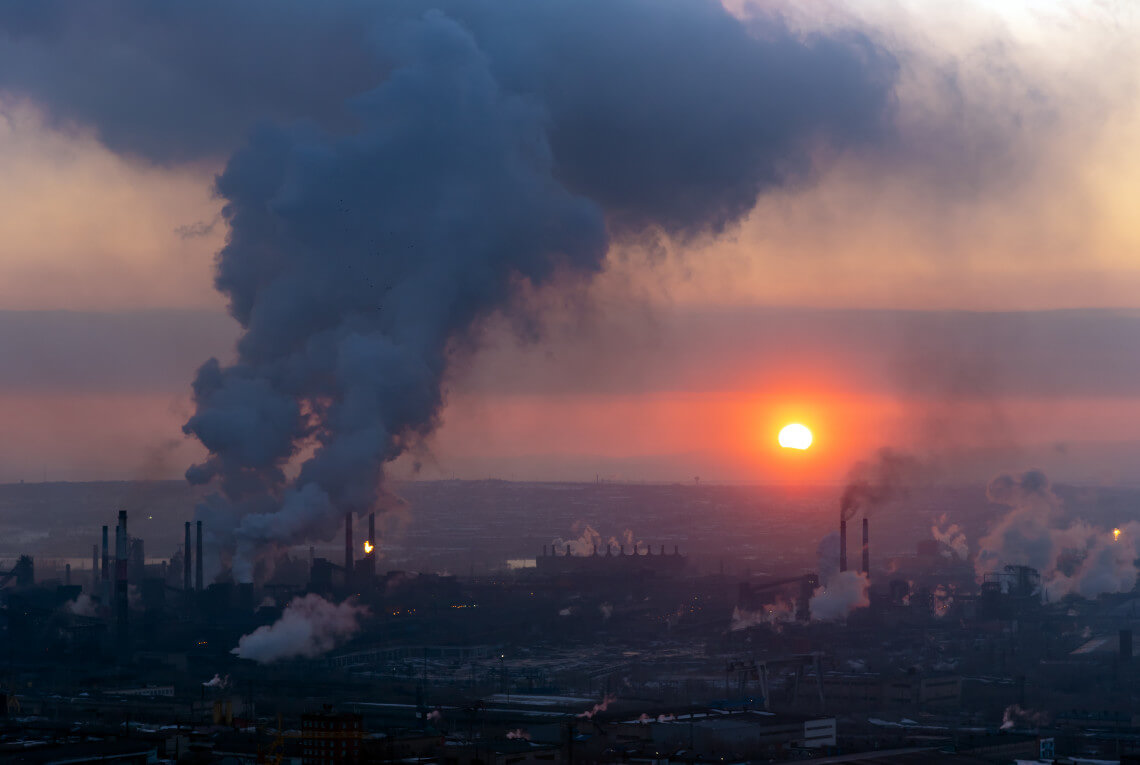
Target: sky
{"type": "Point", "coordinates": [965, 285]}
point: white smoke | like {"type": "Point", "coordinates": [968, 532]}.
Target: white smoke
{"type": "Point", "coordinates": [602, 706]}
{"type": "Point", "coordinates": [518, 734]}
{"type": "Point", "coordinates": [83, 605]}
{"type": "Point", "coordinates": [217, 681]}
{"type": "Point", "coordinates": [309, 627]}
{"type": "Point", "coordinates": [606, 610]}
{"type": "Point", "coordinates": [841, 595]}
{"type": "Point", "coordinates": [952, 536]}
{"type": "Point", "coordinates": [1072, 556]}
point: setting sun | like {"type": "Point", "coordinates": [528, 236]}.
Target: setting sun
{"type": "Point", "coordinates": [795, 436]}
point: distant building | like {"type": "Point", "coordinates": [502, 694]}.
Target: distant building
{"type": "Point", "coordinates": [641, 561]}
{"type": "Point", "coordinates": [874, 690]}
{"type": "Point", "coordinates": [331, 738]}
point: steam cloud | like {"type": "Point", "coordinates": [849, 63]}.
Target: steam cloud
{"type": "Point", "coordinates": [840, 595]}
{"type": "Point", "coordinates": [602, 706]}
{"type": "Point", "coordinates": [83, 605]}
{"type": "Point", "coordinates": [408, 170]}
{"type": "Point", "coordinates": [309, 627]}
{"type": "Point", "coordinates": [1072, 556]}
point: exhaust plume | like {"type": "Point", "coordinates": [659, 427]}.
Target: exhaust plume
{"type": "Point", "coordinates": [871, 484]}
{"type": "Point", "coordinates": [494, 150]}
{"type": "Point", "coordinates": [1071, 555]}
{"type": "Point", "coordinates": [217, 681]}
{"type": "Point", "coordinates": [309, 627]}
{"type": "Point", "coordinates": [599, 707]}
{"type": "Point", "coordinates": [840, 595]}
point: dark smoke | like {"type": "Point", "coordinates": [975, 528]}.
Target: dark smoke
{"type": "Point", "coordinates": [872, 484]}
{"type": "Point", "coordinates": [420, 166]}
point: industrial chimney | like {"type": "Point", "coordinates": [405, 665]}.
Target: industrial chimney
{"type": "Point", "coordinates": [842, 544]}
{"type": "Point", "coordinates": [186, 560]}
{"type": "Point", "coordinates": [349, 555]}
{"type": "Point", "coordinates": [105, 572]}
{"type": "Point", "coordinates": [372, 545]}
{"type": "Point", "coordinates": [121, 595]}
{"type": "Point", "coordinates": [198, 560]}
{"type": "Point", "coordinates": [866, 549]}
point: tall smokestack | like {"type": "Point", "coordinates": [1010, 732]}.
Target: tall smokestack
{"type": "Point", "coordinates": [372, 544]}
{"type": "Point", "coordinates": [105, 573]}
{"type": "Point", "coordinates": [186, 560]}
{"type": "Point", "coordinates": [198, 560]}
{"type": "Point", "coordinates": [866, 548]}
{"type": "Point", "coordinates": [842, 544]}
{"type": "Point", "coordinates": [121, 595]}
{"type": "Point", "coordinates": [349, 557]}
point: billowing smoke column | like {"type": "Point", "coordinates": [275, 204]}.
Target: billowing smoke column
{"type": "Point", "coordinates": [309, 627]}
{"type": "Point", "coordinates": [416, 167]}
{"type": "Point", "coordinates": [1072, 556]}
{"type": "Point", "coordinates": [869, 485]}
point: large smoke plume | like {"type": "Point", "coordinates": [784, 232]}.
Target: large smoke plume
{"type": "Point", "coordinates": [309, 627]}
{"type": "Point", "coordinates": [414, 167]}
{"type": "Point", "coordinates": [1072, 555]}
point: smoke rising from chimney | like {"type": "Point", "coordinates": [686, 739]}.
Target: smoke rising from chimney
{"type": "Point", "coordinates": [309, 626]}
{"type": "Point", "coordinates": [875, 483]}
{"type": "Point", "coordinates": [489, 159]}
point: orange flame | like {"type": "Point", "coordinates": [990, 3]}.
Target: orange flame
{"type": "Point", "coordinates": [368, 547]}
{"type": "Point", "coordinates": [1115, 535]}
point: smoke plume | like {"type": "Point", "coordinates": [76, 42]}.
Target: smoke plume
{"type": "Point", "coordinates": [309, 627]}
{"type": "Point", "coordinates": [875, 483]}
{"type": "Point", "coordinates": [840, 595]}
{"type": "Point", "coordinates": [602, 706]}
{"type": "Point", "coordinates": [217, 681]}
{"type": "Point", "coordinates": [952, 536]}
{"type": "Point", "coordinates": [1072, 555]}
{"type": "Point", "coordinates": [83, 605]}
{"type": "Point", "coordinates": [502, 150]}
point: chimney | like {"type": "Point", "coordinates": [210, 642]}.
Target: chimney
{"type": "Point", "coordinates": [842, 544]}
{"type": "Point", "coordinates": [349, 557]}
{"type": "Point", "coordinates": [186, 560]}
{"type": "Point", "coordinates": [198, 559]}
{"type": "Point", "coordinates": [372, 544]}
{"type": "Point", "coordinates": [121, 596]}
{"type": "Point", "coordinates": [105, 573]}
{"type": "Point", "coordinates": [866, 549]}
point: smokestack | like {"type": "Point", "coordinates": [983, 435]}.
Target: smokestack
{"type": "Point", "coordinates": [105, 573]}
{"type": "Point", "coordinates": [866, 549]}
{"type": "Point", "coordinates": [121, 596]}
{"type": "Point", "coordinates": [349, 556]}
{"type": "Point", "coordinates": [186, 559]}
{"type": "Point", "coordinates": [372, 544]}
{"type": "Point", "coordinates": [842, 544]}
{"type": "Point", "coordinates": [198, 560]}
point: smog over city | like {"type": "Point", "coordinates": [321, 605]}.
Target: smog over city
{"type": "Point", "coordinates": [569, 381]}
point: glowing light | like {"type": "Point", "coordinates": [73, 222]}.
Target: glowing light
{"type": "Point", "coordinates": [1115, 535]}
{"type": "Point", "coordinates": [795, 436]}
{"type": "Point", "coordinates": [368, 547]}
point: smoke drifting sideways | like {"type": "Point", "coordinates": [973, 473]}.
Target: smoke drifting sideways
{"type": "Point", "coordinates": [871, 484]}
{"type": "Point", "coordinates": [427, 164]}
{"type": "Point", "coordinates": [309, 627]}
{"type": "Point", "coordinates": [361, 265]}
{"type": "Point", "coordinates": [1072, 556]}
